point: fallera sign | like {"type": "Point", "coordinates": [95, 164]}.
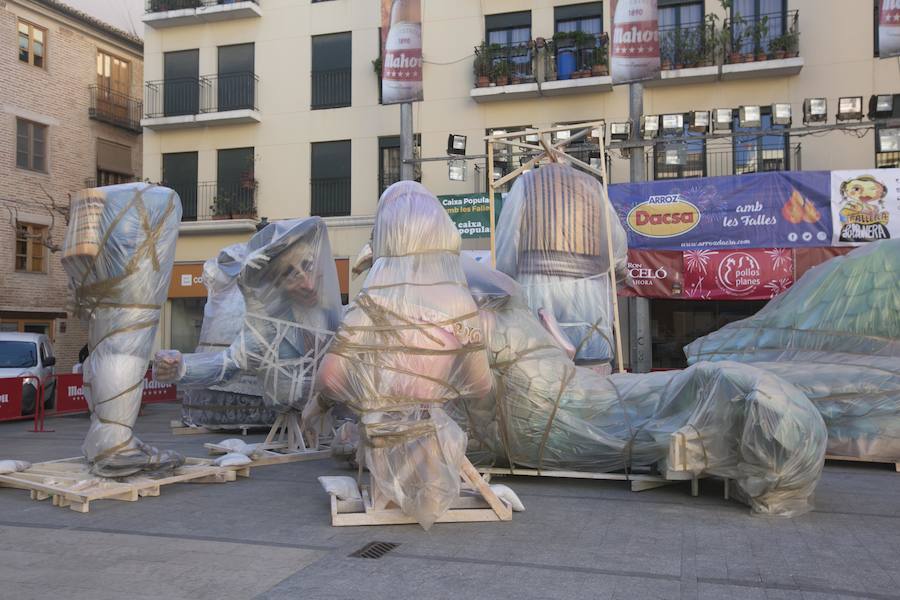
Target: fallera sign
{"type": "Point", "coordinates": [663, 216]}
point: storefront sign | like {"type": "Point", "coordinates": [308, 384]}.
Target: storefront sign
{"type": "Point", "coordinates": [471, 213]}
{"type": "Point", "coordinates": [751, 274]}
{"type": "Point", "coordinates": [187, 281]}
{"type": "Point", "coordinates": [865, 206]}
{"type": "Point", "coordinates": [654, 274]}
{"type": "Point", "coordinates": [763, 210]}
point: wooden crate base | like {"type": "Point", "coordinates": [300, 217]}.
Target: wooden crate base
{"type": "Point", "coordinates": [639, 481]}
{"type": "Point", "coordinates": [276, 454]}
{"type": "Point", "coordinates": [179, 428]}
{"type": "Point", "coordinates": [69, 483]}
{"type": "Point", "coordinates": [865, 460]}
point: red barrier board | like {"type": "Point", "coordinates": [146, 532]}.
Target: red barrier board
{"type": "Point", "coordinates": [157, 392]}
{"type": "Point", "coordinates": [10, 398]}
{"type": "Point", "coordinates": [70, 393]}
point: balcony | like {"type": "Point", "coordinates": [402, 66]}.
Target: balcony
{"type": "Point", "coordinates": [160, 14]}
{"type": "Point", "coordinates": [209, 100]}
{"type": "Point", "coordinates": [330, 197]}
{"type": "Point", "coordinates": [213, 207]}
{"type": "Point", "coordinates": [331, 89]}
{"type": "Point", "coordinates": [688, 54]}
{"type": "Point", "coordinates": [572, 63]}
{"type": "Point", "coordinates": [116, 109]}
{"type": "Point", "coordinates": [764, 46]}
{"type": "Point", "coordinates": [690, 159]}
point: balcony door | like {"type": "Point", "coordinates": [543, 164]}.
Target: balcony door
{"type": "Point", "coordinates": [509, 34]}
{"type": "Point", "coordinates": [113, 86]}
{"type": "Point", "coordinates": [235, 183]}
{"type": "Point", "coordinates": [236, 77]}
{"type": "Point", "coordinates": [181, 88]}
{"type": "Point", "coordinates": [180, 174]}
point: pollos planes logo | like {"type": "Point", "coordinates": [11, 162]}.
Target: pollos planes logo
{"type": "Point", "coordinates": [739, 273]}
{"type": "Point", "coordinates": [663, 216]}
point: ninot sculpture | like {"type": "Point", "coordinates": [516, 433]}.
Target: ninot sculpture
{"type": "Point", "coordinates": [118, 254]}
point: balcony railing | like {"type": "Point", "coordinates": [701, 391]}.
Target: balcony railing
{"type": "Point", "coordinates": [152, 6]}
{"type": "Point", "coordinates": [763, 37]}
{"type": "Point", "coordinates": [211, 200]}
{"type": "Point", "coordinates": [330, 197]}
{"type": "Point", "coordinates": [503, 64]}
{"type": "Point", "coordinates": [115, 108]}
{"type": "Point", "coordinates": [572, 55]}
{"type": "Point", "coordinates": [207, 94]}
{"type": "Point", "coordinates": [331, 89]}
{"type": "Point", "coordinates": [687, 45]}
{"type": "Point", "coordinates": [682, 160]}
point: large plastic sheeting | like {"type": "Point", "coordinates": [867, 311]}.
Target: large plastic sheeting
{"type": "Point", "coordinates": [236, 402]}
{"type": "Point", "coordinates": [290, 289]}
{"type": "Point", "coordinates": [547, 413]}
{"type": "Point", "coordinates": [836, 335]}
{"type": "Point", "coordinates": [118, 253]}
{"type": "Point", "coordinates": [410, 343]}
{"type": "Point", "coordinates": [552, 239]}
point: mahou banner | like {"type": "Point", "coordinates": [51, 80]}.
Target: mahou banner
{"type": "Point", "coordinates": [889, 29]}
{"type": "Point", "coordinates": [401, 51]}
{"type": "Point", "coordinates": [634, 45]}
{"type": "Point", "coordinates": [751, 274]}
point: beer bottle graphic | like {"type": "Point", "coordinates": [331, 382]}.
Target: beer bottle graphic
{"type": "Point", "coordinates": [635, 41]}
{"type": "Point", "coordinates": [401, 71]}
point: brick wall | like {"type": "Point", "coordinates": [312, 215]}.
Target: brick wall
{"type": "Point", "coordinates": [58, 96]}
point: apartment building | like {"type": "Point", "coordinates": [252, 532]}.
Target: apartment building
{"type": "Point", "coordinates": [269, 109]}
{"type": "Point", "coordinates": [69, 118]}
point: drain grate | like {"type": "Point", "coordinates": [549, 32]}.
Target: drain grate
{"type": "Point", "coordinates": [374, 550]}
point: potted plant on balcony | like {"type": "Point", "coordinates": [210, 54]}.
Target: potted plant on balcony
{"type": "Point", "coordinates": [600, 66]}
{"type": "Point", "coordinates": [666, 50]}
{"type": "Point", "coordinates": [482, 66]}
{"type": "Point", "coordinates": [792, 40]}
{"type": "Point", "coordinates": [759, 31]}
{"type": "Point", "coordinates": [564, 43]}
{"type": "Point", "coordinates": [501, 72]}
{"type": "Point", "coordinates": [221, 208]}
{"type": "Point", "coordinates": [777, 47]}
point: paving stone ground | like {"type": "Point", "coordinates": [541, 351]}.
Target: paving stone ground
{"type": "Point", "coordinates": [268, 537]}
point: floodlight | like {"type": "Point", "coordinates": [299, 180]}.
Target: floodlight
{"type": "Point", "coordinates": [722, 119]}
{"type": "Point", "coordinates": [675, 155]}
{"type": "Point", "coordinates": [815, 110]}
{"type": "Point", "coordinates": [456, 144]}
{"type": "Point", "coordinates": [619, 132]}
{"type": "Point", "coordinates": [781, 114]}
{"type": "Point", "coordinates": [749, 117]}
{"type": "Point", "coordinates": [673, 123]}
{"type": "Point", "coordinates": [650, 126]}
{"type": "Point", "coordinates": [881, 106]}
{"type": "Point", "coordinates": [457, 170]}
{"type": "Point", "coordinates": [850, 109]}
{"type": "Point", "coordinates": [699, 121]}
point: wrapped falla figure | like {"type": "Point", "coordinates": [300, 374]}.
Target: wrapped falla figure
{"type": "Point", "coordinates": [552, 239]}
{"type": "Point", "coordinates": [292, 307]}
{"type": "Point", "coordinates": [118, 255]}
{"type": "Point", "coordinates": [410, 343]}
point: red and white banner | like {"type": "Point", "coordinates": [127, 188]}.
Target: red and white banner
{"type": "Point", "coordinates": [654, 274]}
{"type": "Point", "coordinates": [401, 51]}
{"type": "Point", "coordinates": [634, 44]}
{"type": "Point", "coordinates": [10, 398]}
{"type": "Point", "coordinates": [737, 274]}
{"type": "Point", "coordinates": [889, 29]}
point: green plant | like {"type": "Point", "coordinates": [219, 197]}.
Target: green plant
{"type": "Point", "coordinates": [376, 65]}
{"type": "Point", "coordinates": [482, 65]}
{"type": "Point", "coordinates": [564, 38]}
{"type": "Point", "coordinates": [501, 69]}
{"type": "Point", "coordinates": [758, 31]}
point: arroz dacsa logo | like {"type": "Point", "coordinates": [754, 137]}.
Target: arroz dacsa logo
{"type": "Point", "coordinates": [663, 216]}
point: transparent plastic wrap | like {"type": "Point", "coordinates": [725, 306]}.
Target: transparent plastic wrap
{"type": "Point", "coordinates": [552, 239]}
{"type": "Point", "coordinates": [118, 254]}
{"type": "Point", "coordinates": [547, 413]}
{"type": "Point", "coordinates": [238, 401]}
{"type": "Point", "coordinates": [410, 343]}
{"type": "Point", "coordinates": [290, 289]}
{"type": "Point", "coordinates": [836, 335]}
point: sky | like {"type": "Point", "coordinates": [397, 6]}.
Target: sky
{"type": "Point", "coordinates": [124, 14]}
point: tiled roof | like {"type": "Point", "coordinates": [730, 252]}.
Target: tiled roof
{"type": "Point", "coordinates": [94, 22]}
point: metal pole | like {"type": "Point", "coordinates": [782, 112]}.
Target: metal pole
{"type": "Point", "coordinates": [407, 167]}
{"type": "Point", "coordinates": [639, 330]}
{"type": "Point", "coordinates": [490, 187]}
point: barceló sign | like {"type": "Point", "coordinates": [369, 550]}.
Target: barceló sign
{"type": "Point", "coordinates": [663, 216]}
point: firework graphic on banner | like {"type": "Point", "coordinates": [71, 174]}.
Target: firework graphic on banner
{"type": "Point", "coordinates": [778, 286]}
{"type": "Point", "coordinates": [781, 258]}
{"type": "Point", "coordinates": [697, 260]}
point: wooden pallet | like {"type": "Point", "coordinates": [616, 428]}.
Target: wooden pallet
{"type": "Point", "coordinates": [276, 454]}
{"type": "Point", "coordinates": [865, 460]}
{"type": "Point", "coordinates": [179, 428]}
{"type": "Point", "coordinates": [480, 505]}
{"type": "Point", "coordinates": [69, 483]}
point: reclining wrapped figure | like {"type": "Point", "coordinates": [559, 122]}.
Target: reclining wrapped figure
{"type": "Point", "coordinates": [118, 255]}
{"type": "Point", "coordinates": [835, 334]}
{"type": "Point", "coordinates": [552, 239]}
{"type": "Point", "coordinates": [410, 343]}
{"type": "Point", "coordinates": [548, 413]}
{"type": "Point", "coordinates": [290, 288]}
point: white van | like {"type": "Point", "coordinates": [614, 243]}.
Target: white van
{"type": "Point", "coordinates": [29, 354]}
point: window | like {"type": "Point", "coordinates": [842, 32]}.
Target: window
{"type": "Point", "coordinates": [179, 171]}
{"type": "Point", "coordinates": [236, 77]}
{"type": "Point", "coordinates": [886, 156]}
{"type": "Point", "coordinates": [330, 180]}
{"type": "Point", "coordinates": [681, 32]}
{"type": "Point", "coordinates": [584, 18]}
{"type": "Point", "coordinates": [113, 163]}
{"type": "Point", "coordinates": [235, 183]}
{"type": "Point", "coordinates": [505, 159]}
{"type": "Point", "coordinates": [31, 255]}
{"type": "Point", "coordinates": [389, 161]}
{"type": "Point", "coordinates": [31, 145]}
{"type": "Point", "coordinates": [747, 15]}
{"type": "Point", "coordinates": [32, 44]}
{"type": "Point", "coordinates": [507, 36]}
{"type": "Point", "coordinates": [113, 74]}
{"type": "Point", "coordinates": [331, 70]}
{"type": "Point", "coordinates": [756, 154]}
{"type": "Point", "coordinates": [181, 84]}
{"type": "Point", "coordinates": [680, 159]}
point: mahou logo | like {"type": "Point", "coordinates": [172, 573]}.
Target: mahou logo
{"type": "Point", "coordinates": [890, 12]}
{"type": "Point", "coordinates": [663, 217]}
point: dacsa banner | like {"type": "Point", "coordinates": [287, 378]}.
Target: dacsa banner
{"type": "Point", "coordinates": [865, 206]}
{"type": "Point", "coordinates": [763, 210]}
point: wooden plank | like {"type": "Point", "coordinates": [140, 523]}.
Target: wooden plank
{"type": "Point", "coordinates": [570, 474]}
{"type": "Point", "coordinates": [877, 461]}
{"type": "Point", "coordinates": [396, 517]}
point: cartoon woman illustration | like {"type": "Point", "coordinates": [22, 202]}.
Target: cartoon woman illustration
{"type": "Point", "coordinates": [863, 217]}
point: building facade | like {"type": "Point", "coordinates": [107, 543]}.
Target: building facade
{"type": "Point", "coordinates": [69, 119]}
{"type": "Point", "coordinates": [270, 108]}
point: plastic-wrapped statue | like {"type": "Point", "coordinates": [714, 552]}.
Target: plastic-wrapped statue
{"type": "Point", "coordinates": [236, 402]}
{"type": "Point", "coordinates": [118, 255]}
{"type": "Point", "coordinates": [552, 239]}
{"type": "Point", "coordinates": [836, 335]}
{"type": "Point", "coordinates": [410, 343]}
{"type": "Point", "coordinates": [547, 413]}
{"type": "Point", "coordinates": [290, 290]}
